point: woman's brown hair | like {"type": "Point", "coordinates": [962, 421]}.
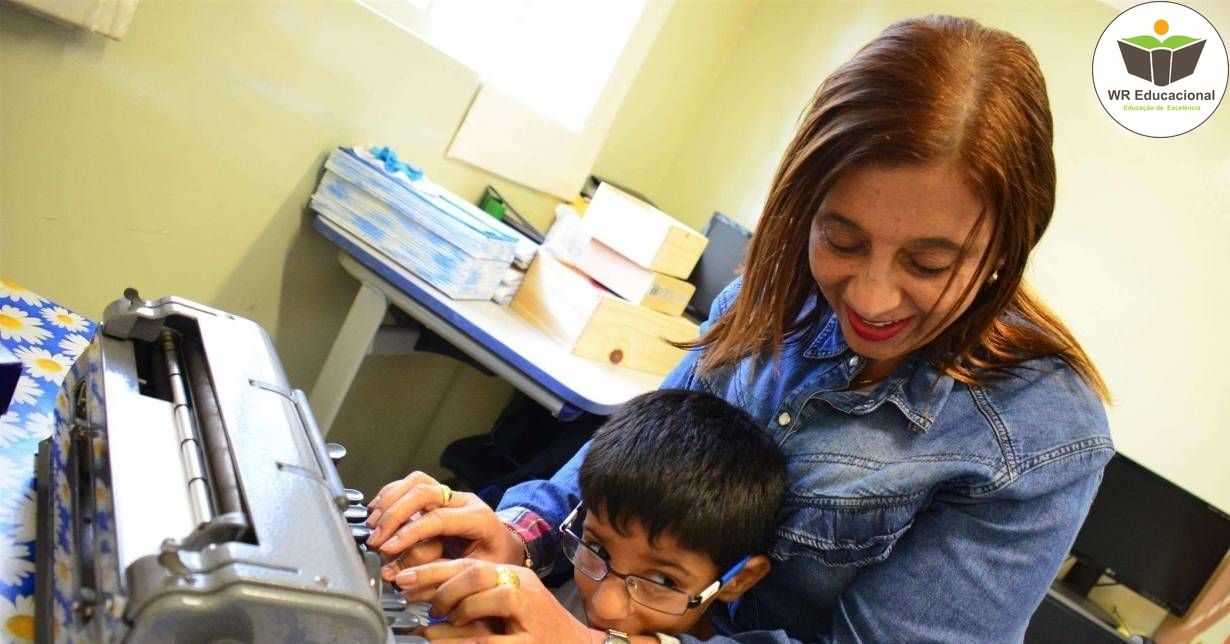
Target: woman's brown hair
{"type": "Point", "coordinates": [928, 90]}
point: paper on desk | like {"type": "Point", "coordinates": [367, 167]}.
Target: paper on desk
{"type": "Point", "coordinates": [419, 225]}
{"type": "Point", "coordinates": [523, 252]}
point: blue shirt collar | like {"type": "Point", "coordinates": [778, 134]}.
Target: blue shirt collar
{"type": "Point", "coordinates": [829, 342]}
{"type": "Point", "coordinates": [917, 389]}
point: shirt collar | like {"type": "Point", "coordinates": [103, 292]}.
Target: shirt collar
{"type": "Point", "coordinates": [829, 342]}
{"type": "Point", "coordinates": [917, 389]}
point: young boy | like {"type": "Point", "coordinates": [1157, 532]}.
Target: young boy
{"type": "Point", "coordinates": [680, 492]}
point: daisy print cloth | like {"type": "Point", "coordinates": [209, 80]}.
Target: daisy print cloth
{"type": "Point", "coordinates": [47, 338]}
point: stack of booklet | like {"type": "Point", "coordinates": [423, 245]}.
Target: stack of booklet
{"type": "Point", "coordinates": [433, 233]}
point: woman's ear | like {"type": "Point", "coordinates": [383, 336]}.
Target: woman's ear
{"type": "Point", "coordinates": [753, 571]}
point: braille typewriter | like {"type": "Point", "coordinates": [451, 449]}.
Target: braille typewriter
{"type": "Point", "coordinates": [187, 495]}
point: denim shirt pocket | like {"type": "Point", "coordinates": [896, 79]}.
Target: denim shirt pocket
{"type": "Point", "coordinates": [840, 535]}
{"type": "Point", "coordinates": [841, 532]}
{"type": "Point", "coordinates": [851, 523]}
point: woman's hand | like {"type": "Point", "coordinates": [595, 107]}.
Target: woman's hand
{"type": "Point", "coordinates": [470, 591]}
{"type": "Point", "coordinates": [412, 525]}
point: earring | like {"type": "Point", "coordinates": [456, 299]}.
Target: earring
{"type": "Point", "coordinates": [994, 276]}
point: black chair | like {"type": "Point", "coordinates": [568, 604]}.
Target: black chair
{"type": "Point", "coordinates": [1063, 617]}
{"type": "Point", "coordinates": [526, 443]}
{"type": "Point", "coordinates": [719, 263]}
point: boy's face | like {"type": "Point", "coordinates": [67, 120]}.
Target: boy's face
{"type": "Point", "coordinates": [607, 604]}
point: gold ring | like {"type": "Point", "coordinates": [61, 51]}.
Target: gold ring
{"type": "Point", "coordinates": [506, 577]}
{"type": "Point", "coordinates": [447, 493]}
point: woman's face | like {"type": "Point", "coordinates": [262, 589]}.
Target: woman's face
{"type": "Point", "coordinates": [883, 247]}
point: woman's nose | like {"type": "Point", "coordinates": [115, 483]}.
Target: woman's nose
{"type": "Point", "coordinates": [610, 601]}
{"type": "Point", "coordinates": [873, 292]}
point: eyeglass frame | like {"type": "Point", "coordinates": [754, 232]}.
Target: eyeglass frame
{"type": "Point", "coordinates": [694, 601]}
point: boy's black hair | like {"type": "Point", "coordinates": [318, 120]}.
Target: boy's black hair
{"type": "Point", "coordinates": [691, 465]}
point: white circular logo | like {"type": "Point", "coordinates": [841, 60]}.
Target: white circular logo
{"type": "Point", "coordinates": [1160, 69]}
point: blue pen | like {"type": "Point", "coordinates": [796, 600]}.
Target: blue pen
{"type": "Point", "coordinates": [423, 621]}
{"type": "Point", "coordinates": [418, 612]}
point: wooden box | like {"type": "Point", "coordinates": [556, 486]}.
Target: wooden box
{"type": "Point", "coordinates": [574, 310]}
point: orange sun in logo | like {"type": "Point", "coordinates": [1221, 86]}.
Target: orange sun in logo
{"type": "Point", "coordinates": [1161, 27]}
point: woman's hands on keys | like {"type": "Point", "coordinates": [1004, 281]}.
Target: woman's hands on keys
{"type": "Point", "coordinates": [473, 596]}
{"type": "Point", "coordinates": [411, 525]}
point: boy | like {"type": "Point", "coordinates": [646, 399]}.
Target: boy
{"type": "Point", "coordinates": [679, 493]}
{"type": "Point", "coordinates": [679, 497]}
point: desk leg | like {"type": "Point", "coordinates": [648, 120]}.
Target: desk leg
{"type": "Point", "coordinates": [348, 351]}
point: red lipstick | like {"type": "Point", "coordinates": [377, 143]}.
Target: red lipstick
{"type": "Point", "coordinates": [875, 333]}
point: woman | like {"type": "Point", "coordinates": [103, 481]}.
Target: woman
{"type": "Point", "coordinates": [945, 433]}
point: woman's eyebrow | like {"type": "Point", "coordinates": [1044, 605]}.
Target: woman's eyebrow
{"type": "Point", "coordinates": [836, 218]}
{"type": "Point", "coordinates": [926, 243]}
{"type": "Point", "coordinates": [935, 243]}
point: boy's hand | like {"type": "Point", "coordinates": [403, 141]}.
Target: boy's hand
{"type": "Point", "coordinates": [477, 629]}
{"type": "Point", "coordinates": [470, 590]}
{"type": "Point", "coordinates": [412, 525]}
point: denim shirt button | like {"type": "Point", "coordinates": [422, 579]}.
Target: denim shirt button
{"type": "Point", "coordinates": [854, 361]}
{"type": "Point", "coordinates": [784, 419]}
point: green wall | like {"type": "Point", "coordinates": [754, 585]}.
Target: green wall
{"type": "Point", "coordinates": [674, 86]}
{"type": "Point", "coordinates": [180, 161]}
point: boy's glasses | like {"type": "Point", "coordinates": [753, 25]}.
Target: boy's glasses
{"type": "Point", "coordinates": [645, 592]}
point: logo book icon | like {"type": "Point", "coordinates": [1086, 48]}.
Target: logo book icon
{"type": "Point", "coordinates": [1161, 62]}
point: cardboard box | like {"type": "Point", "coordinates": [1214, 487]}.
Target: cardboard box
{"type": "Point", "coordinates": [595, 324]}
{"type": "Point", "coordinates": [641, 286]}
{"type": "Point", "coordinates": [571, 241]}
{"type": "Point", "coordinates": [647, 236]}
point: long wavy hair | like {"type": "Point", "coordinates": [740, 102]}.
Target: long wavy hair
{"type": "Point", "coordinates": [928, 90]}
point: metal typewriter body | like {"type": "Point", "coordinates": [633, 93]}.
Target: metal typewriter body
{"type": "Point", "coordinates": [187, 495]}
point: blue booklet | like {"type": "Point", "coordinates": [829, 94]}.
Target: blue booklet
{"type": "Point", "coordinates": [428, 230]}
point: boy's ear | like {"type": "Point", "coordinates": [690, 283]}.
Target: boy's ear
{"type": "Point", "coordinates": [753, 571]}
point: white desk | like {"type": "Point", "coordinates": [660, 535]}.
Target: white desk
{"type": "Point", "coordinates": [492, 335]}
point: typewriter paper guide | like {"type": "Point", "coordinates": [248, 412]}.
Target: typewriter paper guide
{"type": "Point", "coordinates": [147, 478]}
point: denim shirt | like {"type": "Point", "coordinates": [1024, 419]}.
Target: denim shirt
{"type": "Point", "coordinates": [924, 510]}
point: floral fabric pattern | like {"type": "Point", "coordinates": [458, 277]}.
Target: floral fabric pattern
{"type": "Point", "coordinates": [48, 339]}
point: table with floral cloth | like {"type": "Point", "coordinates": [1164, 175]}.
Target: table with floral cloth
{"type": "Point", "coordinates": [47, 338]}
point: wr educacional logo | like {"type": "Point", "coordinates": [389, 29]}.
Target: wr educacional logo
{"type": "Point", "coordinates": [1182, 62]}
{"type": "Point", "coordinates": [1161, 62]}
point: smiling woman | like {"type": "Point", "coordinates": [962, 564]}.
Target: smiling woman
{"type": "Point", "coordinates": [950, 139]}
{"type": "Point", "coordinates": [886, 252]}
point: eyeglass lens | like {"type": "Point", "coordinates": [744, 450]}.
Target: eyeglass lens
{"type": "Point", "coordinates": [641, 590]}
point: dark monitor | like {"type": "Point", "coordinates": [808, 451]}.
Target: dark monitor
{"type": "Point", "coordinates": [1150, 535]}
{"type": "Point", "coordinates": [719, 263]}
